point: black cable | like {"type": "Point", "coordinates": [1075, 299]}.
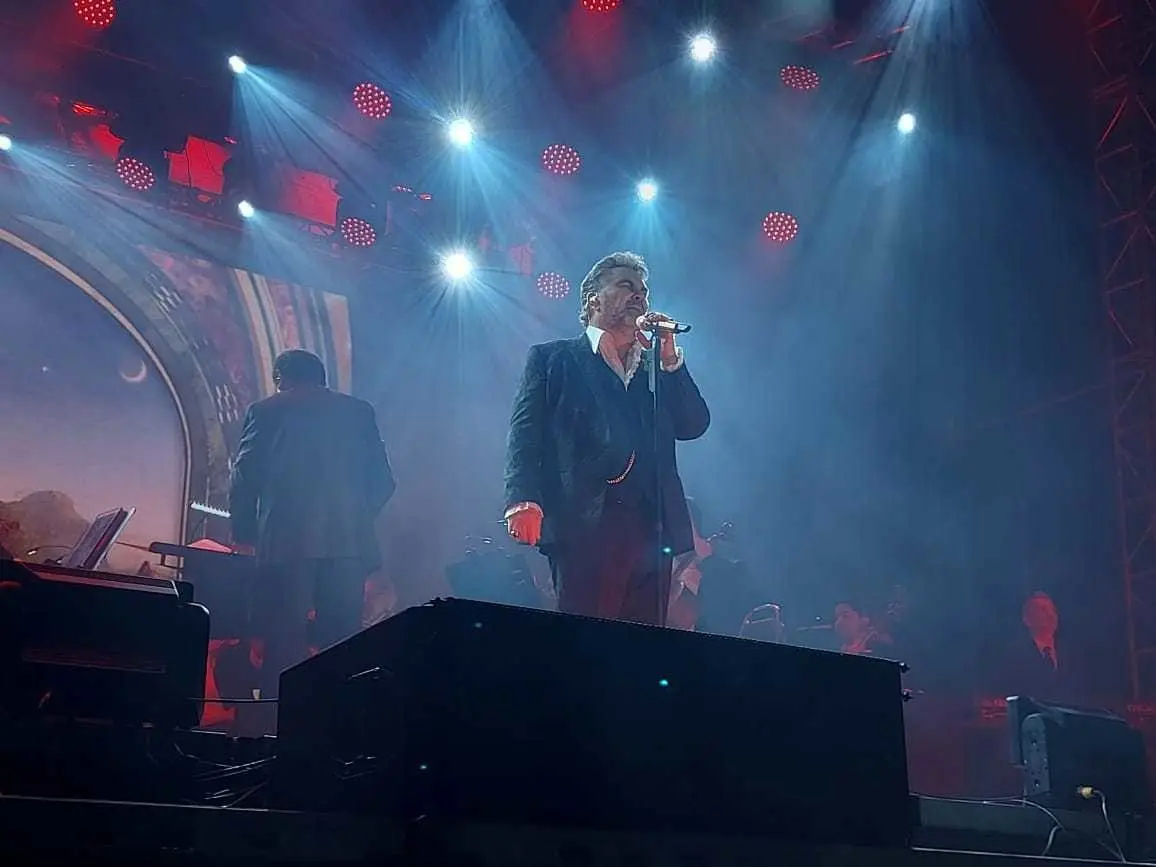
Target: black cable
{"type": "Point", "coordinates": [1119, 853]}
{"type": "Point", "coordinates": [1057, 825]}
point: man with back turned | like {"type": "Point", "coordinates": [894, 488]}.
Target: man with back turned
{"type": "Point", "coordinates": [583, 480]}
{"type": "Point", "coordinates": [309, 479]}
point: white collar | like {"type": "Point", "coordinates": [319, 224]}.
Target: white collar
{"type": "Point", "coordinates": [594, 335]}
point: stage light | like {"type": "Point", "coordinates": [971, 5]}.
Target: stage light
{"type": "Point", "coordinates": [799, 77]}
{"type": "Point", "coordinates": [358, 232]}
{"type": "Point", "coordinates": [600, 5]}
{"type": "Point", "coordinates": [553, 285]}
{"type": "Point", "coordinates": [238, 65]}
{"type": "Point", "coordinates": [906, 123]}
{"type": "Point", "coordinates": [702, 48]}
{"type": "Point", "coordinates": [560, 159]}
{"type": "Point", "coordinates": [457, 265]}
{"type": "Point", "coordinates": [245, 209]}
{"type": "Point", "coordinates": [5, 142]}
{"type": "Point", "coordinates": [97, 14]}
{"type": "Point", "coordinates": [461, 132]}
{"type": "Point", "coordinates": [780, 227]}
{"type": "Point", "coordinates": [372, 101]}
{"type": "Point", "coordinates": [647, 190]}
{"type": "Point", "coordinates": [135, 174]}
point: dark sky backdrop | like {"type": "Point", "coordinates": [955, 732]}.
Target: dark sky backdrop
{"type": "Point", "coordinates": [71, 420]}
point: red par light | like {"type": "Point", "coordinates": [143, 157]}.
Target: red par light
{"type": "Point", "coordinates": [135, 174]}
{"type": "Point", "coordinates": [601, 5]}
{"type": "Point", "coordinates": [553, 286]}
{"type": "Point", "coordinates": [97, 14]}
{"type": "Point", "coordinates": [799, 77]}
{"type": "Point", "coordinates": [560, 159]}
{"type": "Point", "coordinates": [780, 227]}
{"type": "Point", "coordinates": [357, 232]}
{"type": "Point", "coordinates": [372, 101]}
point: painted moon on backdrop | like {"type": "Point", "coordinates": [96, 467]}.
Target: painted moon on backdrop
{"type": "Point", "coordinates": [134, 374]}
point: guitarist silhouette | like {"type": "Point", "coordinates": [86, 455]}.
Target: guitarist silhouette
{"type": "Point", "coordinates": [686, 575]}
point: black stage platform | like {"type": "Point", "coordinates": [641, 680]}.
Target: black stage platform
{"type": "Point", "coordinates": [419, 735]}
{"type": "Point", "coordinates": [214, 787]}
{"type": "Point", "coordinates": [42, 831]}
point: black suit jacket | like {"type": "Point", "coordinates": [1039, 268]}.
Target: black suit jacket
{"type": "Point", "coordinates": [310, 476]}
{"type": "Point", "coordinates": [1025, 671]}
{"type": "Point", "coordinates": [562, 448]}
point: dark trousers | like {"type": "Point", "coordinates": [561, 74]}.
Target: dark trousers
{"type": "Point", "coordinates": [301, 605]}
{"type": "Point", "coordinates": [615, 571]}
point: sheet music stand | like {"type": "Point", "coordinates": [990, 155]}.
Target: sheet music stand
{"type": "Point", "coordinates": [94, 545]}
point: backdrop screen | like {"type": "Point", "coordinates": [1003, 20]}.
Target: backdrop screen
{"type": "Point", "coordinates": [91, 422]}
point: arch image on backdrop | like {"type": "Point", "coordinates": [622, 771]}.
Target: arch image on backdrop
{"type": "Point", "coordinates": [89, 424]}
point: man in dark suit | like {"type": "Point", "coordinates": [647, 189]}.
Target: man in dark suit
{"type": "Point", "coordinates": [582, 478]}
{"type": "Point", "coordinates": [1036, 666]}
{"type": "Point", "coordinates": [310, 477]}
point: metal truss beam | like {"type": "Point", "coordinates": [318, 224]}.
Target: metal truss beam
{"type": "Point", "coordinates": [1122, 35]}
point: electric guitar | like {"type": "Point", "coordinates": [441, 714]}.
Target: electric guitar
{"type": "Point", "coordinates": [683, 612]}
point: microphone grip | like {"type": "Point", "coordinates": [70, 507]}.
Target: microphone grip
{"type": "Point", "coordinates": [667, 326]}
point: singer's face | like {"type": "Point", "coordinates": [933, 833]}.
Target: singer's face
{"type": "Point", "coordinates": [621, 300]}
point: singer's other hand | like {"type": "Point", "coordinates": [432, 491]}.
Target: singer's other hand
{"type": "Point", "coordinates": [667, 348]}
{"type": "Point", "coordinates": [525, 526]}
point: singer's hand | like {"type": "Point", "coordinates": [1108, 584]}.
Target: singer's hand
{"type": "Point", "coordinates": [667, 348]}
{"type": "Point", "coordinates": [525, 526]}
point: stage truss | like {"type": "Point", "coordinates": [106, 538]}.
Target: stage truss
{"type": "Point", "coordinates": [1123, 38]}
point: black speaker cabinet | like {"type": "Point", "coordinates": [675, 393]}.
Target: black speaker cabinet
{"type": "Point", "coordinates": [469, 710]}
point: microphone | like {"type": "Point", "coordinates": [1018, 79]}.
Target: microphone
{"type": "Point", "coordinates": [670, 327]}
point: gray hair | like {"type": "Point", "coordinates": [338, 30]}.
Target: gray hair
{"type": "Point", "coordinates": [593, 281]}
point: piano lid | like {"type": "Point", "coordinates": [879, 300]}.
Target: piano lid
{"type": "Point", "coordinates": [112, 580]}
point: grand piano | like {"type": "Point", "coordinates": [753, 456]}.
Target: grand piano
{"type": "Point", "coordinates": [222, 581]}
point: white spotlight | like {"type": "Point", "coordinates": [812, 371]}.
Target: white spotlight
{"type": "Point", "coordinates": [245, 209]}
{"type": "Point", "coordinates": [906, 123]}
{"type": "Point", "coordinates": [5, 143]}
{"type": "Point", "coordinates": [238, 65]}
{"type": "Point", "coordinates": [702, 48]}
{"type": "Point", "coordinates": [647, 190]}
{"type": "Point", "coordinates": [461, 132]}
{"type": "Point", "coordinates": [457, 265]}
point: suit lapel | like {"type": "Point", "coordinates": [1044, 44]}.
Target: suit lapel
{"type": "Point", "coordinates": [589, 362]}
{"type": "Point", "coordinates": [594, 376]}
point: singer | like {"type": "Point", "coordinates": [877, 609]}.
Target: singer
{"type": "Point", "coordinates": [585, 463]}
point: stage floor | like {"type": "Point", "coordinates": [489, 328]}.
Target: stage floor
{"type": "Point", "coordinates": [52, 831]}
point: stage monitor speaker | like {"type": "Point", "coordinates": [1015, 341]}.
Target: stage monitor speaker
{"type": "Point", "coordinates": [80, 644]}
{"type": "Point", "coordinates": [1068, 753]}
{"type": "Point", "coordinates": [470, 710]}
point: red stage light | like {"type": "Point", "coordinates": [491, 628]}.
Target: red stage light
{"type": "Point", "coordinates": [560, 159]}
{"type": "Point", "coordinates": [358, 233]}
{"type": "Point", "coordinates": [780, 227]}
{"type": "Point", "coordinates": [553, 286]}
{"type": "Point", "coordinates": [135, 174]}
{"type": "Point", "coordinates": [97, 14]}
{"type": "Point", "coordinates": [372, 100]}
{"type": "Point", "coordinates": [600, 5]}
{"type": "Point", "coordinates": [799, 77]}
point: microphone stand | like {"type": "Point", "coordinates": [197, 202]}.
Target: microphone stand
{"type": "Point", "coordinates": [663, 583]}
